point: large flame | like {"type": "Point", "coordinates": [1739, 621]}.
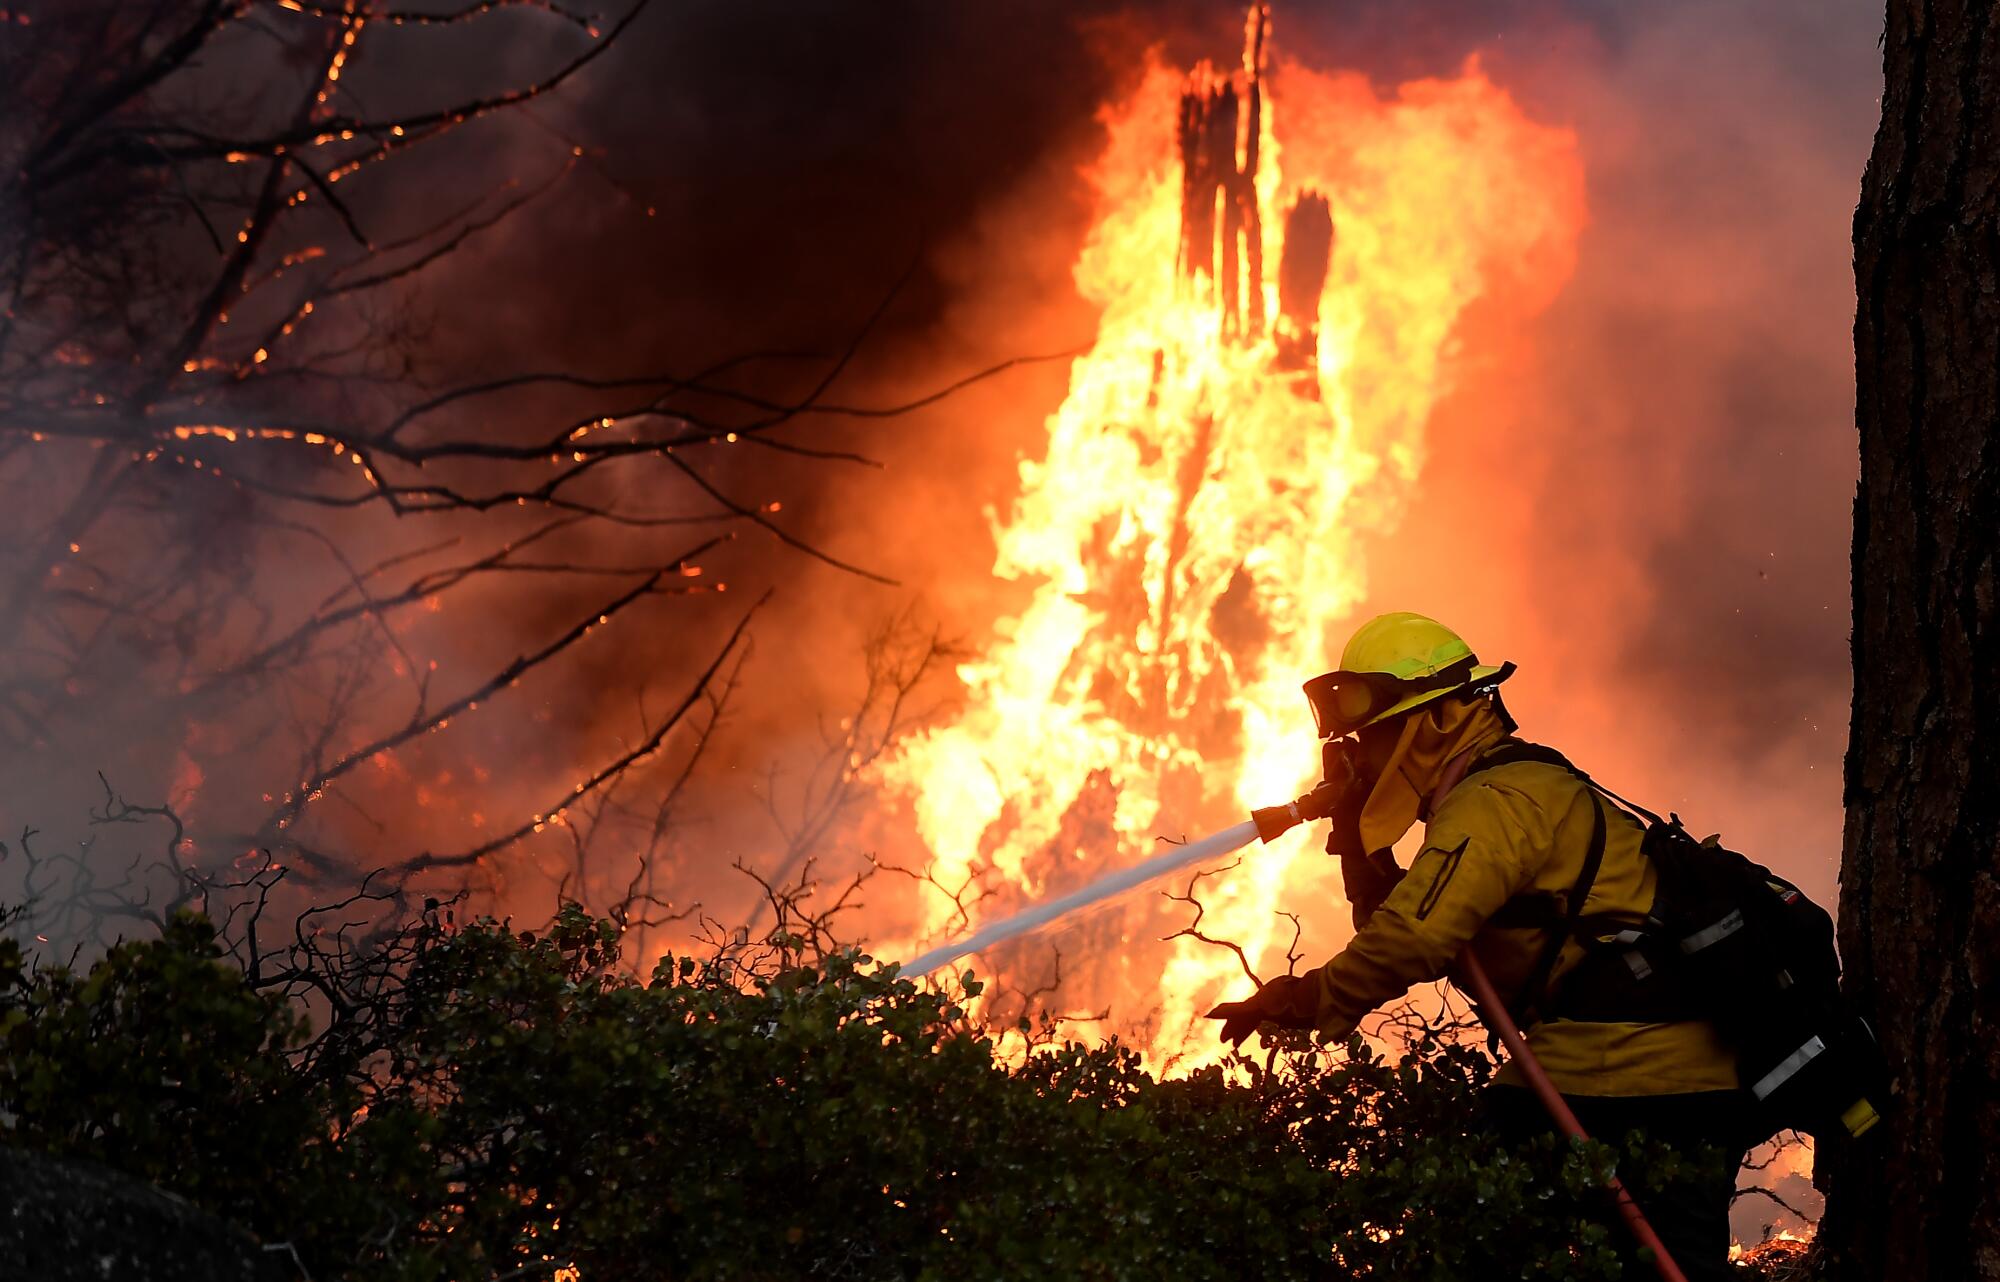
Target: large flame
{"type": "Point", "coordinates": [1194, 532]}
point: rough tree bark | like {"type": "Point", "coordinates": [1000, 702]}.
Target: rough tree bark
{"type": "Point", "coordinates": [1920, 876]}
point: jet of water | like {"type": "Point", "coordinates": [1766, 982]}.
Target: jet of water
{"type": "Point", "coordinates": [1112, 883]}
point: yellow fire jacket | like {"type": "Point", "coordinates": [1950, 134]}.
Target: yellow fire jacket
{"type": "Point", "coordinates": [1522, 829]}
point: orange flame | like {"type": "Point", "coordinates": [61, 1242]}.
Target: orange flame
{"type": "Point", "coordinates": [1194, 532]}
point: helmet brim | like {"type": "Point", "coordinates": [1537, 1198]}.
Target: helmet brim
{"type": "Point", "coordinates": [1482, 675]}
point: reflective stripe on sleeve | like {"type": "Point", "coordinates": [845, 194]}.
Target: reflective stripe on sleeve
{"type": "Point", "coordinates": [1788, 1068]}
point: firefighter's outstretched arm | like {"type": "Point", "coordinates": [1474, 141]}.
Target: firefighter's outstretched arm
{"type": "Point", "coordinates": [1466, 870]}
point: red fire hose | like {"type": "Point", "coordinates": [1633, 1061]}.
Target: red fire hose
{"type": "Point", "coordinates": [1494, 1011]}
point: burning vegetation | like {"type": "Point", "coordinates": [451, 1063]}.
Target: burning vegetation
{"type": "Point", "coordinates": [1281, 258]}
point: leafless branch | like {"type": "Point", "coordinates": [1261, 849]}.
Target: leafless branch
{"type": "Point", "coordinates": [1193, 929]}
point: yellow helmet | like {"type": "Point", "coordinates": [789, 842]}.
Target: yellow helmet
{"type": "Point", "coordinates": [1393, 663]}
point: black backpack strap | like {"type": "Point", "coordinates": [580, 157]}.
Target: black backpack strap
{"type": "Point", "coordinates": [1527, 912]}
{"type": "Point", "coordinates": [1506, 753]}
{"type": "Point", "coordinates": [1509, 751]}
{"type": "Point", "coordinates": [1536, 989]}
{"type": "Point", "coordinates": [1652, 820]}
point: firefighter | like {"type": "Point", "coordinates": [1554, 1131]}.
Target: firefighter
{"type": "Point", "coordinates": [1521, 862]}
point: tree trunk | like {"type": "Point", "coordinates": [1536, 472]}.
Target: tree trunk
{"type": "Point", "coordinates": [1920, 873]}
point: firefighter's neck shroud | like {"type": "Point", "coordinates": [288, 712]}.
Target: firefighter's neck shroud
{"type": "Point", "coordinates": [1431, 738]}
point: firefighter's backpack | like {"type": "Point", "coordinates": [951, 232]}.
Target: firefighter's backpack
{"type": "Point", "coordinates": [1726, 940]}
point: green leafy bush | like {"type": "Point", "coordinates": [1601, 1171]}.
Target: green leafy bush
{"type": "Point", "coordinates": [515, 1105]}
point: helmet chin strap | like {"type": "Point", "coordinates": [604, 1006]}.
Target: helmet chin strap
{"type": "Point", "coordinates": [1490, 691]}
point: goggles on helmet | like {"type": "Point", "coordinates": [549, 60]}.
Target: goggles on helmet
{"type": "Point", "coordinates": [1343, 702]}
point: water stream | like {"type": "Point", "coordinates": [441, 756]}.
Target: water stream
{"type": "Point", "coordinates": [1115, 882]}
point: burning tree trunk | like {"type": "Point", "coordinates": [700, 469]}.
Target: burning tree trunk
{"type": "Point", "coordinates": [1222, 228]}
{"type": "Point", "coordinates": [1920, 897]}
{"type": "Point", "coordinates": [1301, 281]}
{"type": "Point", "coordinates": [1220, 135]}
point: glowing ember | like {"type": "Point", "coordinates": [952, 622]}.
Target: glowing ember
{"type": "Point", "coordinates": [1194, 531]}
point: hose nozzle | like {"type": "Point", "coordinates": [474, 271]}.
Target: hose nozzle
{"type": "Point", "coordinates": [1274, 821]}
{"type": "Point", "coordinates": [1339, 780]}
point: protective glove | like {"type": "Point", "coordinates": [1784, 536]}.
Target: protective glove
{"type": "Point", "coordinates": [1289, 1001]}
